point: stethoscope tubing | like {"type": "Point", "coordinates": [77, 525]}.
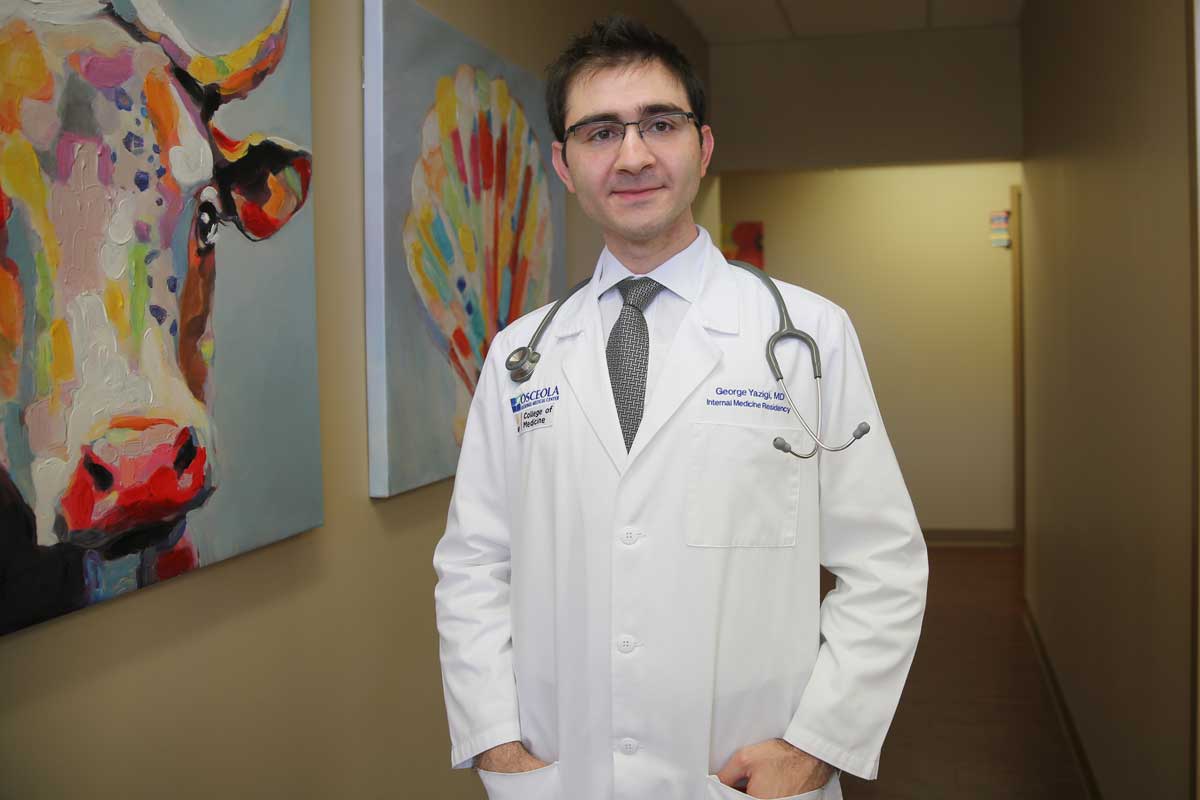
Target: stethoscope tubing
{"type": "Point", "coordinates": [522, 361]}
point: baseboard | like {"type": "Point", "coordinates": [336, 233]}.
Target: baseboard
{"type": "Point", "coordinates": [1064, 713]}
{"type": "Point", "coordinates": [953, 537]}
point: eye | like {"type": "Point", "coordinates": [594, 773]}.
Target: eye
{"type": "Point", "coordinates": [601, 134]}
{"type": "Point", "coordinates": [662, 125]}
{"type": "Point", "coordinates": [207, 223]}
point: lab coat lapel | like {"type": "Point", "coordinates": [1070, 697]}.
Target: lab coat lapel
{"type": "Point", "coordinates": [586, 371]}
{"type": "Point", "coordinates": [693, 354]}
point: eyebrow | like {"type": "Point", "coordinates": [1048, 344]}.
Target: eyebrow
{"type": "Point", "coordinates": [643, 112]}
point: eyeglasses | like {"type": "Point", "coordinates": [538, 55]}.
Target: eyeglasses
{"type": "Point", "coordinates": [606, 135]}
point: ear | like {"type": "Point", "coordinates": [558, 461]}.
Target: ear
{"type": "Point", "coordinates": [263, 181]}
{"type": "Point", "coordinates": [560, 166]}
{"type": "Point", "coordinates": [706, 148]}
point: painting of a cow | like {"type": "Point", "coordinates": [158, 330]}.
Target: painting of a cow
{"type": "Point", "coordinates": [115, 181]}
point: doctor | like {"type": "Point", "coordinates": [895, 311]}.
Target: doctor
{"type": "Point", "coordinates": [628, 597]}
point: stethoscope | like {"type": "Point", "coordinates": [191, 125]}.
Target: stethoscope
{"type": "Point", "coordinates": [522, 361]}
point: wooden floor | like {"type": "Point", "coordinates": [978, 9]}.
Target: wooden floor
{"type": "Point", "coordinates": [976, 721]}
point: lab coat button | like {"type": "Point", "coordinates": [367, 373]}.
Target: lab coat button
{"type": "Point", "coordinates": [626, 644]}
{"type": "Point", "coordinates": [630, 537]}
{"type": "Point", "coordinates": [629, 746]}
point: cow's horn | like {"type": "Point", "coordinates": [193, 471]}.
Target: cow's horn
{"type": "Point", "coordinates": [231, 75]}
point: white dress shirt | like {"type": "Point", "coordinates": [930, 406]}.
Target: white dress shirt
{"type": "Point", "coordinates": [680, 276]}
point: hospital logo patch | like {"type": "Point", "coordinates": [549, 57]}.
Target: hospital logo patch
{"type": "Point", "coordinates": [534, 410]}
{"type": "Point", "coordinates": [534, 397]}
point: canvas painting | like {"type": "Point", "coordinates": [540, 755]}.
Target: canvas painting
{"type": "Point", "coordinates": [158, 395]}
{"type": "Point", "coordinates": [464, 230]}
{"type": "Point", "coordinates": [743, 241]}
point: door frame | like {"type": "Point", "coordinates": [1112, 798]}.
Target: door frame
{"type": "Point", "coordinates": [1018, 333]}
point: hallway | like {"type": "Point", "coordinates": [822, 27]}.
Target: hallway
{"type": "Point", "coordinates": [976, 719]}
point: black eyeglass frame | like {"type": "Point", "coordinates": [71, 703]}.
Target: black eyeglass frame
{"type": "Point", "coordinates": [688, 115]}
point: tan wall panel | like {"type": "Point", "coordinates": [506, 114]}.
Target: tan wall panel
{"type": "Point", "coordinates": [905, 250]}
{"type": "Point", "coordinates": [1109, 338]}
{"type": "Point", "coordinates": [707, 208]}
{"type": "Point", "coordinates": [1194, 114]}
{"type": "Point", "coordinates": [307, 669]}
{"type": "Point", "coordinates": [882, 99]}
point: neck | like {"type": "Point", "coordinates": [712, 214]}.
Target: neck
{"type": "Point", "coordinates": [641, 257]}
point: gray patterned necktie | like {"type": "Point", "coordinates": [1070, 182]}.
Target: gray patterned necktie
{"type": "Point", "coordinates": [627, 352]}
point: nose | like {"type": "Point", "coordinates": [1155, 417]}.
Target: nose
{"type": "Point", "coordinates": [142, 472]}
{"type": "Point", "coordinates": [634, 156]}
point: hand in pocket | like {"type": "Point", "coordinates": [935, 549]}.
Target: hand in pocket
{"type": "Point", "coordinates": [774, 768]}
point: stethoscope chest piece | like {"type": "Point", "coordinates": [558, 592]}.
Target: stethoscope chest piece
{"type": "Point", "coordinates": [520, 363]}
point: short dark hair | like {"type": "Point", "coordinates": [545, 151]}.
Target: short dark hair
{"type": "Point", "coordinates": [617, 41]}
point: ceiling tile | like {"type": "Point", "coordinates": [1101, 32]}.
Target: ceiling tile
{"type": "Point", "coordinates": [975, 13]}
{"type": "Point", "coordinates": [810, 18]}
{"type": "Point", "coordinates": [724, 22]}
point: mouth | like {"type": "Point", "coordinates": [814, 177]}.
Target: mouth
{"type": "Point", "coordinates": [634, 195]}
{"type": "Point", "coordinates": [134, 540]}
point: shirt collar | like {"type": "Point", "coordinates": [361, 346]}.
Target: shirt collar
{"type": "Point", "coordinates": [682, 273]}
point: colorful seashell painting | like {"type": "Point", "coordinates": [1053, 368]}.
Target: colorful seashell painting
{"type": "Point", "coordinates": [479, 237]}
{"type": "Point", "coordinates": [464, 146]}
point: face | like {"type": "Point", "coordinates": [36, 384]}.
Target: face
{"type": "Point", "coordinates": [107, 259]}
{"type": "Point", "coordinates": [639, 192]}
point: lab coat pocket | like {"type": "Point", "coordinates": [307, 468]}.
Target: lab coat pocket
{"type": "Point", "coordinates": [719, 791]}
{"type": "Point", "coordinates": [742, 492]}
{"type": "Point", "coordinates": [538, 784]}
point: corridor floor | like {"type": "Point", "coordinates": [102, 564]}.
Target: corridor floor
{"type": "Point", "coordinates": [976, 721]}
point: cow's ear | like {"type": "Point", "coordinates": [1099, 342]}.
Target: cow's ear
{"type": "Point", "coordinates": [263, 181]}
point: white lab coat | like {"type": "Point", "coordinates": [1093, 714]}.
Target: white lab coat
{"type": "Point", "coordinates": [634, 619]}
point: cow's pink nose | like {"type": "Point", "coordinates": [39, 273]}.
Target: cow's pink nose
{"type": "Point", "coordinates": [141, 472]}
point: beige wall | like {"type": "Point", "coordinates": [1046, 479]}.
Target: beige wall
{"type": "Point", "coordinates": [905, 250]}
{"type": "Point", "coordinates": [707, 208]}
{"type": "Point", "coordinates": [1109, 343]}
{"type": "Point", "coordinates": [308, 668]}
{"type": "Point", "coordinates": [896, 98]}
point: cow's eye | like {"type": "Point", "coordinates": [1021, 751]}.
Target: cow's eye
{"type": "Point", "coordinates": [207, 223]}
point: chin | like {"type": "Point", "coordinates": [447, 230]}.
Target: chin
{"type": "Point", "coordinates": [637, 225]}
{"type": "Point", "coordinates": [646, 231]}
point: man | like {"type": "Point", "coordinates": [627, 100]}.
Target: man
{"type": "Point", "coordinates": [628, 595]}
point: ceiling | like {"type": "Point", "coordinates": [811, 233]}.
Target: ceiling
{"type": "Point", "coordinates": [742, 21]}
